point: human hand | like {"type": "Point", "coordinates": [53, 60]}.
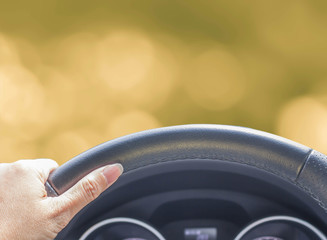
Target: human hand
{"type": "Point", "coordinates": [26, 212]}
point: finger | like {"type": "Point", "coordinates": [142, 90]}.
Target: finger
{"type": "Point", "coordinates": [43, 166]}
{"type": "Point", "coordinates": [88, 188]}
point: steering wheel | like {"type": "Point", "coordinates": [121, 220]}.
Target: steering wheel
{"type": "Point", "coordinates": [303, 167]}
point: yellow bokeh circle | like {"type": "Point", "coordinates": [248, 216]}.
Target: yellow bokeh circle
{"type": "Point", "coordinates": [304, 120]}
{"type": "Point", "coordinates": [215, 80]}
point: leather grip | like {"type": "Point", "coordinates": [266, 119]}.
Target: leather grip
{"type": "Point", "coordinates": [276, 155]}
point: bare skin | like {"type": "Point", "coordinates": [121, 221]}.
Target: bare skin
{"type": "Point", "coordinates": [26, 212]}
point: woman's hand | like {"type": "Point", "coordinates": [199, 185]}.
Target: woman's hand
{"type": "Point", "coordinates": [25, 210]}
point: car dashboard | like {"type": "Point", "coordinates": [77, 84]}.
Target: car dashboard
{"type": "Point", "coordinates": [200, 199]}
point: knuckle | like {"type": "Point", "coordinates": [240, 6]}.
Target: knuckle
{"type": "Point", "coordinates": [90, 188]}
{"type": "Point", "coordinates": [54, 163]}
{"type": "Point", "coordinates": [19, 166]}
{"type": "Point", "coordinates": [49, 161]}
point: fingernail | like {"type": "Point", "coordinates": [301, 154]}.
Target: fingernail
{"type": "Point", "coordinates": [112, 172]}
{"type": "Point", "coordinates": [121, 168]}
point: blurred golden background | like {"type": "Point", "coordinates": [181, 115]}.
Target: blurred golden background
{"type": "Point", "coordinates": [74, 74]}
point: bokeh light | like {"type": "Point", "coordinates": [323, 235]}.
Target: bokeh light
{"type": "Point", "coordinates": [304, 120]}
{"type": "Point", "coordinates": [90, 73]}
{"type": "Point", "coordinates": [65, 145]}
{"type": "Point", "coordinates": [216, 80]}
{"type": "Point", "coordinates": [8, 51]}
{"type": "Point", "coordinates": [124, 60]}
{"type": "Point", "coordinates": [138, 72]}
{"type": "Point", "coordinates": [22, 96]}
{"type": "Point", "coordinates": [298, 33]}
{"type": "Point", "coordinates": [131, 122]}
{"type": "Point", "coordinates": [12, 148]}
{"type": "Point", "coordinates": [22, 103]}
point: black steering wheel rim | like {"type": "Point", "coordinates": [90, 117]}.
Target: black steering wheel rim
{"type": "Point", "coordinates": [296, 163]}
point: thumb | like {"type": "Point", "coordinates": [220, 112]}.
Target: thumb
{"type": "Point", "coordinates": [87, 189]}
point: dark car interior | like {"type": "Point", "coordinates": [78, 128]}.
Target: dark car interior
{"type": "Point", "coordinates": [202, 182]}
